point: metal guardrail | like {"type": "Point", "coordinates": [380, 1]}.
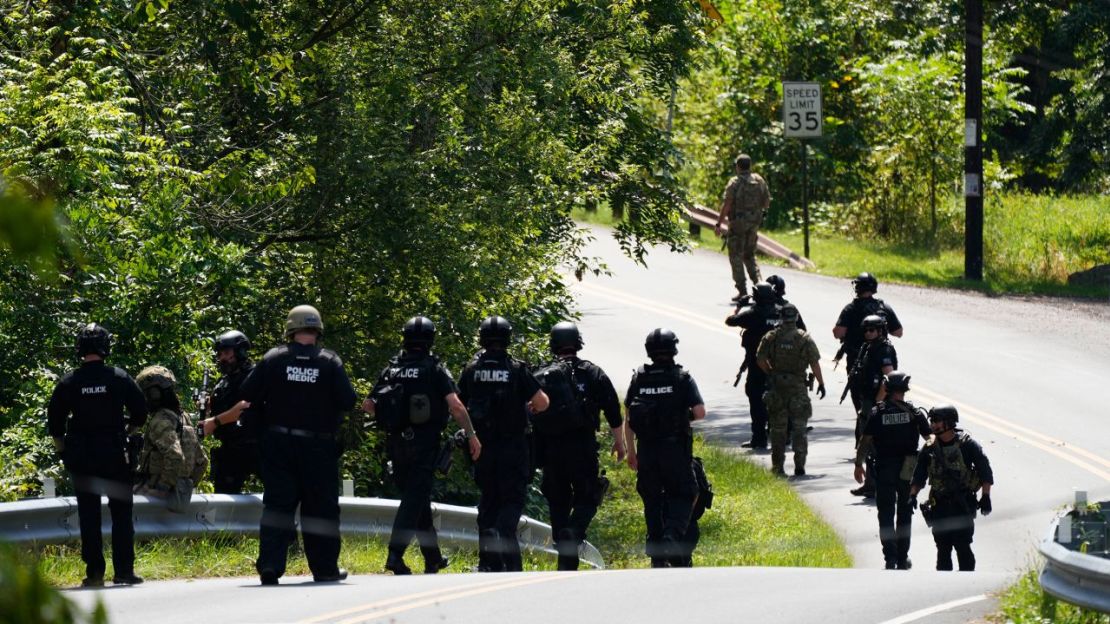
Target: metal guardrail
{"type": "Point", "coordinates": [52, 520]}
{"type": "Point", "coordinates": [701, 216]}
{"type": "Point", "coordinates": [1074, 577]}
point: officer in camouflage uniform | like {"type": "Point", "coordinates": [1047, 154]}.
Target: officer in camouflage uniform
{"type": "Point", "coordinates": [572, 483]}
{"type": "Point", "coordinates": [86, 419]}
{"type": "Point", "coordinates": [236, 458]}
{"type": "Point", "coordinates": [411, 399]}
{"type": "Point", "coordinates": [891, 433]}
{"type": "Point", "coordinates": [497, 390]}
{"type": "Point", "coordinates": [662, 400]}
{"type": "Point", "coordinates": [301, 391]}
{"type": "Point", "coordinates": [784, 354]}
{"type": "Point", "coordinates": [746, 199]}
{"type": "Point", "coordinates": [172, 460]}
{"type": "Point", "coordinates": [955, 467]}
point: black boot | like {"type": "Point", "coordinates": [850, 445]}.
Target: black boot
{"type": "Point", "coordinates": [566, 544]}
{"type": "Point", "coordinates": [395, 563]}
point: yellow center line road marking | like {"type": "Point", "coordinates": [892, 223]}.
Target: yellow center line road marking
{"type": "Point", "coordinates": [388, 601]}
{"type": "Point", "coordinates": [374, 611]}
{"type": "Point", "coordinates": [1070, 453]}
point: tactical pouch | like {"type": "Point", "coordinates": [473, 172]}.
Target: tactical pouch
{"type": "Point", "coordinates": [177, 500]}
{"type": "Point", "coordinates": [388, 408]}
{"type": "Point", "coordinates": [908, 465]}
{"type": "Point", "coordinates": [928, 513]}
{"type": "Point", "coordinates": [446, 457]}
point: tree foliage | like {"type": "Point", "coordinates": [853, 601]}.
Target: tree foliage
{"type": "Point", "coordinates": [215, 162]}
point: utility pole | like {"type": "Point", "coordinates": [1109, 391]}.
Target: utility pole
{"type": "Point", "coordinates": [973, 140]}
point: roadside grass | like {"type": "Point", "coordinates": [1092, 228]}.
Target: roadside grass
{"type": "Point", "coordinates": [756, 520]}
{"type": "Point", "coordinates": [1025, 602]}
{"type": "Point", "coordinates": [1031, 244]}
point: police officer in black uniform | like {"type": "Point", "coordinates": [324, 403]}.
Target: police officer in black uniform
{"type": "Point", "coordinates": [497, 389]}
{"type": "Point", "coordinates": [301, 392]}
{"type": "Point", "coordinates": [662, 400]}
{"type": "Point", "coordinates": [572, 482]}
{"type": "Point", "coordinates": [411, 399]}
{"type": "Point", "coordinates": [87, 420]}
{"type": "Point", "coordinates": [891, 433]}
{"type": "Point", "coordinates": [236, 458]}
{"type": "Point", "coordinates": [756, 319]}
{"type": "Point", "coordinates": [955, 467]}
{"type": "Point", "coordinates": [876, 358]}
{"type": "Point", "coordinates": [849, 325]}
{"type": "Point", "coordinates": [779, 285]}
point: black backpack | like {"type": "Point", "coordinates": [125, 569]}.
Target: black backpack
{"type": "Point", "coordinates": [403, 398]}
{"type": "Point", "coordinates": [705, 489]}
{"type": "Point", "coordinates": [656, 411]}
{"type": "Point", "coordinates": [566, 412]}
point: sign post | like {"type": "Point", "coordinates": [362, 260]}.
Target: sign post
{"type": "Point", "coordinates": [802, 119]}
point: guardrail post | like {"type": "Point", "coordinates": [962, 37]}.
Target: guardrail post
{"type": "Point", "coordinates": [348, 487]}
{"type": "Point", "coordinates": [48, 488]}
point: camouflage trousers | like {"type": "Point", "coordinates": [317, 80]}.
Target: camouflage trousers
{"type": "Point", "coordinates": [788, 407]}
{"type": "Point", "coordinates": [742, 239]}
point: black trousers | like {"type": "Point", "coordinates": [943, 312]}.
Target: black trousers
{"type": "Point", "coordinates": [414, 474]}
{"type": "Point", "coordinates": [502, 471]}
{"type": "Point", "coordinates": [570, 485]}
{"type": "Point", "coordinates": [232, 464]}
{"type": "Point", "coordinates": [666, 484]}
{"type": "Point", "coordinates": [754, 387]}
{"type": "Point", "coordinates": [892, 498]}
{"type": "Point", "coordinates": [115, 483]}
{"type": "Point", "coordinates": [305, 472]}
{"type": "Point", "coordinates": [954, 529]}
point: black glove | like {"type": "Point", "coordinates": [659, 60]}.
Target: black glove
{"type": "Point", "coordinates": [913, 502]}
{"type": "Point", "coordinates": [985, 504]}
{"type": "Point", "coordinates": [821, 391]}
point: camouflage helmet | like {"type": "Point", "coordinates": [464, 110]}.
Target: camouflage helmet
{"type": "Point", "coordinates": [897, 381]}
{"type": "Point", "coordinates": [944, 413]}
{"type": "Point", "coordinates": [763, 293]}
{"type": "Point", "coordinates": [93, 338]}
{"type": "Point", "coordinates": [494, 330]}
{"type": "Point", "coordinates": [743, 162]}
{"type": "Point", "coordinates": [778, 284]}
{"type": "Point", "coordinates": [156, 382]}
{"type": "Point", "coordinates": [661, 341]}
{"type": "Point", "coordinates": [865, 282]}
{"type": "Point", "coordinates": [873, 321]}
{"type": "Point", "coordinates": [565, 335]}
{"type": "Point", "coordinates": [788, 313]}
{"type": "Point", "coordinates": [303, 317]}
{"type": "Point", "coordinates": [419, 331]}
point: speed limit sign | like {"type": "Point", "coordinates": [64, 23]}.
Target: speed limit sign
{"type": "Point", "coordinates": [801, 109]}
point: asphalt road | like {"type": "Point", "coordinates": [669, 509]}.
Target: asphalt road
{"type": "Point", "coordinates": [1025, 375]}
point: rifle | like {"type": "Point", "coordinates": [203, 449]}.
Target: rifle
{"type": "Point", "coordinates": [740, 373]}
{"type": "Point", "coordinates": [839, 355]}
{"type": "Point", "coordinates": [856, 369]}
{"type": "Point", "coordinates": [200, 398]}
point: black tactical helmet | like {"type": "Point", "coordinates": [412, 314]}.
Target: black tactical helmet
{"type": "Point", "coordinates": [565, 335]}
{"type": "Point", "coordinates": [419, 331]}
{"type": "Point", "coordinates": [233, 339]}
{"type": "Point", "coordinates": [661, 341]}
{"type": "Point", "coordinates": [865, 282]}
{"type": "Point", "coordinates": [763, 293]}
{"type": "Point", "coordinates": [494, 330]}
{"type": "Point", "coordinates": [778, 284]}
{"type": "Point", "coordinates": [944, 413]}
{"type": "Point", "coordinates": [897, 381]}
{"type": "Point", "coordinates": [873, 321]}
{"type": "Point", "coordinates": [93, 339]}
